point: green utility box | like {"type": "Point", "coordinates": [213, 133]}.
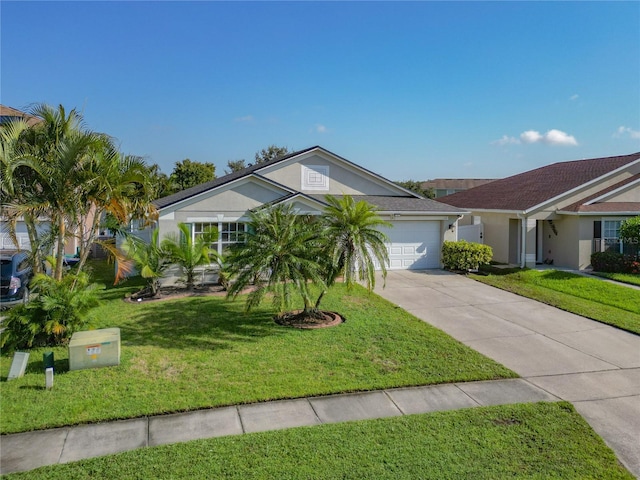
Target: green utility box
{"type": "Point", "coordinates": [94, 349]}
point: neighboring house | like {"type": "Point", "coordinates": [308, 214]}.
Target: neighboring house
{"type": "Point", "coordinates": [448, 186]}
{"type": "Point", "coordinates": [559, 213]}
{"type": "Point", "coordinates": [303, 179]}
{"type": "Point", "coordinates": [8, 114]}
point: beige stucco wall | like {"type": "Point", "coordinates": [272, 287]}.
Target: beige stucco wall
{"type": "Point", "coordinates": [342, 179]}
{"type": "Point", "coordinates": [496, 234]}
{"type": "Point", "coordinates": [562, 247]}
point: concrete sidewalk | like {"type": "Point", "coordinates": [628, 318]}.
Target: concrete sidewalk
{"type": "Point", "coordinates": [560, 356]}
{"type": "Point", "coordinates": [592, 365]}
{"type": "Point", "coordinates": [26, 451]}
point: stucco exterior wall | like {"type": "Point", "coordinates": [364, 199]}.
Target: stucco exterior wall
{"type": "Point", "coordinates": [631, 195]}
{"type": "Point", "coordinates": [496, 234]}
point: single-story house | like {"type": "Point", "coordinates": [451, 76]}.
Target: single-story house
{"type": "Point", "coordinates": [303, 179]}
{"type": "Point", "coordinates": [559, 214]}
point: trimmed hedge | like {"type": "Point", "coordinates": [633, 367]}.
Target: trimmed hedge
{"type": "Point", "coordinates": [463, 255]}
{"type": "Point", "coordinates": [615, 262]}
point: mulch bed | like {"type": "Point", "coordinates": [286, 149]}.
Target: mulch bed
{"type": "Point", "coordinates": [298, 319]}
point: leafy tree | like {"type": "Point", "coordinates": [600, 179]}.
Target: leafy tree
{"type": "Point", "coordinates": [352, 242]}
{"type": "Point", "coordinates": [188, 253]}
{"type": "Point", "coordinates": [187, 174]}
{"type": "Point", "coordinates": [149, 258]}
{"type": "Point", "coordinates": [416, 187]}
{"type": "Point", "coordinates": [630, 229]}
{"type": "Point", "coordinates": [235, 166]}
{"type": "Point", "coordinates": [270, 153]}
{"type": "Point", "coordinates": [60, 308]}
{"type": "Point", "coordinates": [160, 182]}
{"type": "Point", "coordinates": [279, 258]}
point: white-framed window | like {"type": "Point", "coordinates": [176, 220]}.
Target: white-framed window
{"type": "Point", "coordinates": [611, 235]}
{"type": "Point", "coordinates": [315, 177]}
{"type": "Point", "coordinates": [228, 233]}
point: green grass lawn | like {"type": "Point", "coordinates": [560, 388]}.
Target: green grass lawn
{"type": "Point", "coordinates": [543, 440]}
{"type": "Point", "coordinates": [202, 352]}
{"type": "Point", "coordinates": [630, 278]}
{"type": "Point", "coordinates": [590, 297]}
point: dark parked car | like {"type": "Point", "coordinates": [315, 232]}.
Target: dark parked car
{"type": "Point", "coordinates": [16, 274]}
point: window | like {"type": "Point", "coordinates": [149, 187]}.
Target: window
{"type": "Point", "coordinates": [611, 235]}
{"type": "Point", "coordinates": [315, 177]}
{"type": "Point", "coordinates": [228, 233]}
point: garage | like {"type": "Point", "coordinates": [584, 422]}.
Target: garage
{"type": "Point", "coordinates": [414, 245]}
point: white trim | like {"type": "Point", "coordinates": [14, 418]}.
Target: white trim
{"type": "Point", "coordinates": [631, 213]}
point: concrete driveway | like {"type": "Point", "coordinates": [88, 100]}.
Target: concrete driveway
{"type": "Point", "coordinates": [594, 366]}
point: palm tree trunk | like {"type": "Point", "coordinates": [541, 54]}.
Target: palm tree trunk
{"type": "Point", "coordinates": [60, 248]}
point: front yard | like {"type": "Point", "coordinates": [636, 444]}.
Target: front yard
{"type": "Point", "coordinates": [590, 297]}
{"type": "Point", "coordinates": [203, 352]}
{"type": "Point", "coordinates": [542, 440]}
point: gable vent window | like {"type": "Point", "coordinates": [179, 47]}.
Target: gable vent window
{"type": "Point", "coordinates": [315, 177]}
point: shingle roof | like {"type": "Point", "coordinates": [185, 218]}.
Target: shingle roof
{"type": "Point", "coordinates": [526, 190]}
{"type": "Point", "coordinates": [12, 112]}
{"type": "Point", "coordinates": [402, 204]}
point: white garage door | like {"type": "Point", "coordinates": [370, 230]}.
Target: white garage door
{"type": "Point", "coordinates": [414, 245]}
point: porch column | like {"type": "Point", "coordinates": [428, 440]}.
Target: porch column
{"type": "Point", "coordinates": [528, 247]}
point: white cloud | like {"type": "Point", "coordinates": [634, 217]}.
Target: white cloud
{"type": "Point", "coordinates": [574, 97]}
{"type": "Point", "coordinates": [624, 131]}
{"type": "Point", "coordinates": [318, 128]}
{"type": "Point", "coordinates": [552, 137]}
{"type": "Point", "coordinates": [247, 118]}
{"type": "Point", "coordinates": [531, 136]}
{"type": "Point", "coordinates": [558, 137]}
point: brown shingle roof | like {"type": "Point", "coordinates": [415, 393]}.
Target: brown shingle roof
{"type": "Point", "coordinates": [526, 190]}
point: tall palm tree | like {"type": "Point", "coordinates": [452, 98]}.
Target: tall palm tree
{"type": "Point", "coordinates": [188, 253]}
{"type": "Point", "coordinates": [279, 257]}
{"type": "Point", "coordinates": [352, 242]}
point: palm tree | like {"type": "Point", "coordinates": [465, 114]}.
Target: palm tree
{"type": "Point", "coordinates": [352, 242]}
{"type": "Point", "coordinates": [279, 257]}
{"type": "Point", "coordinates": [60, 170]}
{"type": "Point", "coordinates": [188, 253]}
{"type": "Point", "coordinates": [150, 259]}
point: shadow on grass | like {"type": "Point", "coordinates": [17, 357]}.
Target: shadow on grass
{"type": "Point", "coordinates": [202, 322]}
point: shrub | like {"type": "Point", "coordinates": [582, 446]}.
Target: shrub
{"type": "Point", "coordinates": [615, 262]}
{"type": "Point", "coordinates": [463, 255]}
{"type": "Point", "coordinates": [59, 308]}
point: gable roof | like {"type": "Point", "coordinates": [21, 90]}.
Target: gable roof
{"type": "Point", "coordinates": [592, 204]}
{"type": "Point", "coordinates": [405, 201]}
{"type": "Point", "coordinates": [529, 189]}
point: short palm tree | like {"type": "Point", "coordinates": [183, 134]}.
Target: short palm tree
{"type": "Point", "coordinates": [190, 253]}
{"type": "Point", "coordinates": [279, 257]}
{"type": "Point", "coordinates": [352, 242]}
{"type": "Point", "coordinates": [149, 258]}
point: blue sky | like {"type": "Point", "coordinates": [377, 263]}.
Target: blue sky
{"type": "Point", "coordinates": [413, 90]}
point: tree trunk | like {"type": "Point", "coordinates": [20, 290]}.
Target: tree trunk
{"type": "Point", "coordinates": [60, 248]}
